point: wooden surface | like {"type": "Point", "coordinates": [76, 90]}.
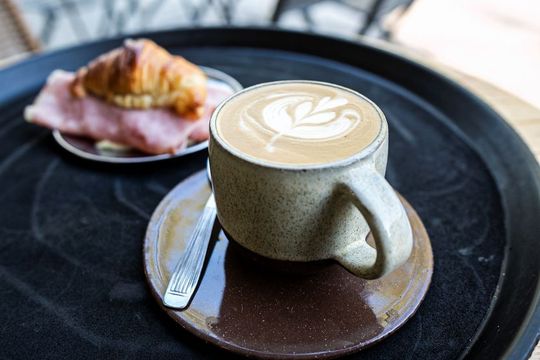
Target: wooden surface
{"type": "Point", "coordinates": [522, 116]}
{"type": "Point", "coordinates": [15, 37]}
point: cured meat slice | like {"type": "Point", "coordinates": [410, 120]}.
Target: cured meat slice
{"type": "Point", "coordinates": [154, 131]}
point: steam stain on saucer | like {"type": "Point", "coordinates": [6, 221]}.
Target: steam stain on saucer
{"type": "Point", "coordinates": [180, 217]}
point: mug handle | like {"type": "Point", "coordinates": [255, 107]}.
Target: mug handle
{"type": "Point", "coordinates": [380, 206]}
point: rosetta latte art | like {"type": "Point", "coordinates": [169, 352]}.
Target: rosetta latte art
{"type": "Point", "coordinates": [301, 116]}
{"type": "Point", "coordinates": [298, 123]}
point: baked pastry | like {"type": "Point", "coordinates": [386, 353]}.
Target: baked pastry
{"type": "Point", "coordinates": [143, 75]}
{"type": "Point", "coordinates": [138, 96]}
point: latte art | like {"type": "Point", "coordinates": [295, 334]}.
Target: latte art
{"type": "Point", "coordinates": [296, 116]}
{"type": "Point", "coordinates": [299, 123]}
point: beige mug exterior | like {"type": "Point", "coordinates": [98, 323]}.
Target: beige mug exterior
{"type": "Point", "coordinates": [314, 212]}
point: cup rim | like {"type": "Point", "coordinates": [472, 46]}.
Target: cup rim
{"type": "Point", "coordinates": [363, 153]}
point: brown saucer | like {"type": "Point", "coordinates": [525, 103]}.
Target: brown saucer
{"type": "Point", "coordinates": [254, 311]}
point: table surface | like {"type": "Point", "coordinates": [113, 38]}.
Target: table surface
{"type": "Point", "coordinates": [523, 117]}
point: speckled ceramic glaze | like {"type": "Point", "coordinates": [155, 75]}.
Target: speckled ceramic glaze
{"type": "Point", "coordinates": [312, 212]}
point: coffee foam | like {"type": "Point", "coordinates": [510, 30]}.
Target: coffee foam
{"type": "Point", "coordinates": [298, 123]}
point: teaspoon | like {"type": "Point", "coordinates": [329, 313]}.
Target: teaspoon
{"type": "Point", "coordinates": [187, 272]}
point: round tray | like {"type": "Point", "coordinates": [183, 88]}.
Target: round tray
{"type": "Point", "coordinates": [70, 258]}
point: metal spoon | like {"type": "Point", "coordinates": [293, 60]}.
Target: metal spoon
{"type": "Point", "coordinates": [188, 270]}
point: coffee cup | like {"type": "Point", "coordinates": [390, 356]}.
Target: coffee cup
{"type": "Point", "coordinates": [298, 175]}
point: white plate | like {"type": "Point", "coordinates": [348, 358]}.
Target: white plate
{"type": "Point", "coordinates": [87, 149]}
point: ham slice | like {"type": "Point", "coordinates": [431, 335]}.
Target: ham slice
{"type": "Point", "coordinates": [154, 131]}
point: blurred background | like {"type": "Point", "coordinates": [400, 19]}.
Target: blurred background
{"type": "Point", "coordinates": [495, 40]}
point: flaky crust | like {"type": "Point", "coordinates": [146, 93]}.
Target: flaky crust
{"type": "Point", "coordinates": [142, 75]}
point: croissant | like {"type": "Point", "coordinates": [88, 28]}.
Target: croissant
{"type": "Point", "coordinates": [142, 75]}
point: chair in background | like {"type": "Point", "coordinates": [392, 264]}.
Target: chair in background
{"type": "Point", "coordinates": [115, 16]}
{"type": "Point", "coordinates": [194, 11]}
{"type": "Point", "coordinates": [64, 22]}
{"type": "Point", "coordinates": [53, 10]}
{"type": "Point", "coordinates": [15, 38]}
{"type": "Point", "coordinates": [374, 12]}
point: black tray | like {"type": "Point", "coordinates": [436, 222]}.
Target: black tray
{"type": "Point", "coordinates": [71, 279]}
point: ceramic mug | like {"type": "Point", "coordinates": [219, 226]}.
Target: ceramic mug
{"type": "Point", "coordinates": [313, 212]}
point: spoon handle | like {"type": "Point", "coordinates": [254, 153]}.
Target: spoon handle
{"type": "Point", "coordinates": [187, 272]}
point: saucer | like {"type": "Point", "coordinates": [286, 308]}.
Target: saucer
{"type": "Point", "coordinates": [260, 312]}
{"type": "Point", "coordinates": [87, 148]}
